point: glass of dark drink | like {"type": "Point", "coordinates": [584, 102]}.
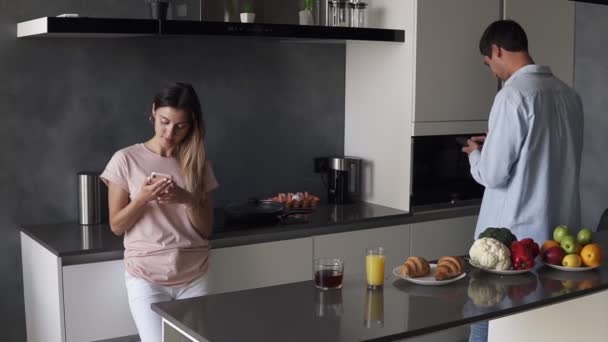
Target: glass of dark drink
{"type": "Point", "coordinates": [328, 273]}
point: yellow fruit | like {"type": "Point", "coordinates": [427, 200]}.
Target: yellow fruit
{"type": "Point", "coordinates": [572, 260]}
{"type": "Point", "coordinates": [591, 255]}
{"type": "Point", "coordinates": [569, 284]}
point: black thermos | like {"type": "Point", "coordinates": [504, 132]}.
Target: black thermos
{"type": "Point", "coordinates": [343, 180]}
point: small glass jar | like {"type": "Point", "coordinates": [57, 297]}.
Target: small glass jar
{"type": "Point", "coordinates": [338, 15]}
{"type": "Point", "coordinates": [357, 14]}
{"type": "Point", "coordinates": [332, 13]}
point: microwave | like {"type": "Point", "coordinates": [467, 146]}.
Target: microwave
{"type": "Point", "coordinates": [441, 173]}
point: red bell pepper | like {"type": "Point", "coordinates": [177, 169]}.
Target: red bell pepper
{"type": "Point", "coordinates": [531, 246]}
{"type": "Point", "coordinates": [521, 256]}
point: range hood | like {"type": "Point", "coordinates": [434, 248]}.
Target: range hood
{"type": "Point", "coordinates": [111, 27]}
{"type": "Point", "coordinates": [599, 2]}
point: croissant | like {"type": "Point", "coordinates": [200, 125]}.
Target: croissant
{"type": "Point", "coordinates": [449, 267]}
{"type": "Point", "coordinates": [415, 267]}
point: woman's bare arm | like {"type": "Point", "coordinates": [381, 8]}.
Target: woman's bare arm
{"type": "Point", "coordinates": [124, 213]}
{"type": "Point", "coordinates": [201, 216]}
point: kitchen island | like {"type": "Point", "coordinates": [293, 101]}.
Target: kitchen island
{"type": "Point", "coordinates": [543, 305]}
{"type": "Point", "coordinates": [74, 275]}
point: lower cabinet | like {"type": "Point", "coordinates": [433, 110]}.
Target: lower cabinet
{"type": "Point", "coordinates": [77, 303]}
{"type": "Point", "coordinates": [95, 302]}
{"type": "Point", "coordinates": [350, 246]}
{"type": "Point", "coordinates": [259, 265]}
{"type": "Point", "coordinates": [435, 239]}
{"type": "Point", "coordinates": [42, 292]}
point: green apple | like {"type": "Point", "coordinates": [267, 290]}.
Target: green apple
{"type": "Point", "coordinates": [559, 232]}
{"type": "Point", "coordinates": [584, 236]}
{"type": "Point", "coordinates": [569, 244]}
{"type": "Point", "coordinates": [572, 260]}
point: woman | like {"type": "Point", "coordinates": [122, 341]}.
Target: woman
{"type": "Point", "coordinates": [167, 220]}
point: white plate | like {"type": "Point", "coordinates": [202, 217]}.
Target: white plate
{"type": "Point", "coordinates": [429, 279]}
{"type": "Point", "coordinates": [571, 269]}
{"type": "Point", "coordinates": [504, 272]}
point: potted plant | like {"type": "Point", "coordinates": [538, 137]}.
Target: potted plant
{"type": "Point", "coordinates": [159, 9]}
{"type": "Point", "coordinates": [305, 15]}
{"type": "Point", "coordinates": [247, 15]}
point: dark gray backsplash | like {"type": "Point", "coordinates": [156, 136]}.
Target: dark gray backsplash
{"type": "Point", "coordinates": [591, 82]}
{"type": "Point", "coordinates": [68, 103]}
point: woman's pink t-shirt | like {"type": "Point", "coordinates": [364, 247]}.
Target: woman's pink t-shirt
{"type": "Point", "coordinates": [163, 247]}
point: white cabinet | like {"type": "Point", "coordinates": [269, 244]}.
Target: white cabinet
{"type": "Point", "coordinates": [259, 265]}
{"type": "Point", "coordinates": [378, 105]}
{"type": "Point", "coordinates": [435, 239]}
{"type": "Point", "coordinates": [434, 83]}
{"type": "Point", "coordinates": [351, 246]}
{"type": "Point", "coordinates": [42, 292]}
{"type": "Point", "coordinates": [451, 81]}
{"type": "Point", "coordinates": [95, 302]}
{"type": "Point", "coordinates": [549, 25]}
{"type": "Point", "coordinates": [555, 322]}
{"type": "Point", "coordinates": [77, 303]}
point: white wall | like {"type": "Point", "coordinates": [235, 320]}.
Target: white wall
{"type": "Point", "coordinates": [378, 107]}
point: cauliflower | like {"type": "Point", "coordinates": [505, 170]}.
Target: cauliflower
{"type": "Point", "coordinates": [491, 254]}
{"type": "Point", "coordinates": [486, 293]}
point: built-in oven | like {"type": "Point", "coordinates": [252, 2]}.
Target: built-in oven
{"type": "Point", "coordinates": [441, 176]}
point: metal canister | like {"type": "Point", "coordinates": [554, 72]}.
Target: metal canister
{"type": "Point", "coordinates": [89, 198]}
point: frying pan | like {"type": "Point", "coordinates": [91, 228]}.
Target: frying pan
{"type": "Point", "coordinates": [259, 211]}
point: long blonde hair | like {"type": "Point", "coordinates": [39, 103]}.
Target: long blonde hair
{"type": "Point", "coordinates": [191, 152]}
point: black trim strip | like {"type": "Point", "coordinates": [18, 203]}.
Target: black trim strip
{"type": "Point", "coordinates": [599, 2]}
{"type": "Point", "coordinates": [180, 27]}
{"type": "Point", "coordinates": [102, 26]}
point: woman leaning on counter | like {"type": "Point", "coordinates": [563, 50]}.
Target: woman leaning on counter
{"type": "Point", "coordinates": [166, 220]}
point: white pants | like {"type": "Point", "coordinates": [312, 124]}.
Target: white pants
{"type": "Point", "coordinates": [142, 294]}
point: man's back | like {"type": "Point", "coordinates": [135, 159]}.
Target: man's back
{"type": "Point", "coordinates": [530, 161]}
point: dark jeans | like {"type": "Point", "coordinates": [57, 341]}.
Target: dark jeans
{"type": "Point", "coordinates": [479, 332]}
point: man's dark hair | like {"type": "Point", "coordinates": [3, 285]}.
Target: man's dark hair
{"type": "Point", "coordinates": [506, 34]}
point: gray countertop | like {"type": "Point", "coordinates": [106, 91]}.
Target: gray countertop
{"type": "Point", "coordinates": [299, 312]}
{"type": "Point", "coordinates": [77, 244]}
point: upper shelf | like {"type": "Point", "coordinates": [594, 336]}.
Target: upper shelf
{"type": "Point", "coordinates": [110, 27]}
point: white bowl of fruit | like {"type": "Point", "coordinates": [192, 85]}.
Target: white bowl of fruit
{"type": "Point", "coordinates": [569, 252]}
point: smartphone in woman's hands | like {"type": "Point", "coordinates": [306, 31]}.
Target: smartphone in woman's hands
{"type": "Point", "coordinates": [156, 176]}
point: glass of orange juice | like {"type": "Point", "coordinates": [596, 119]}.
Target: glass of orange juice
{"type": "Point", "coordinates": [374, 266]}
{"type": "Point", "coordinates": [374, 307]}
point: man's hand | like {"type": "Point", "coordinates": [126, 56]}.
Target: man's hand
{"type": "Point", "coordinates": [474, 144]}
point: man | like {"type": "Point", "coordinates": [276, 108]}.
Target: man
{"type": "Point", "coordinates": [530, 160]}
